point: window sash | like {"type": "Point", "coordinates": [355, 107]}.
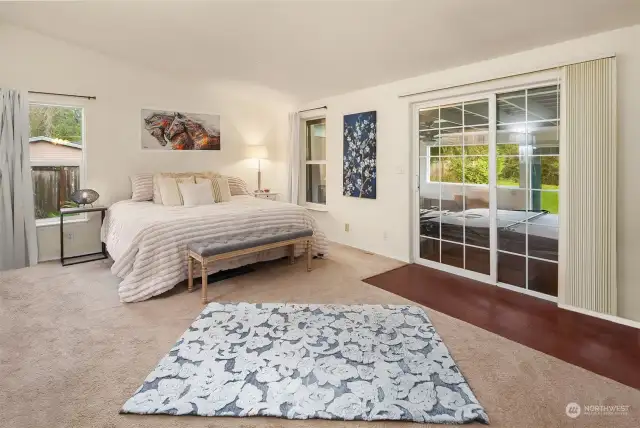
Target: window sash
{"type": "Point", "coordinates": [304, 154]}
{"type": "Point", "coordinates": [36, 100]}
{"type": "Point", "coordinates": [54, 164]}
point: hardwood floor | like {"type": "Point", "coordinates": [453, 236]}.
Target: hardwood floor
{"type": "Point", "coordinates": [603, 347]}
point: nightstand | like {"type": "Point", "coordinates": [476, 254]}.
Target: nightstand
{"type": "Point", "coordinates": [266, 195]}
{"type": "Point", "coordinates": [70, 211]}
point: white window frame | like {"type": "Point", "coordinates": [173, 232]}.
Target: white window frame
{"type": "Point", "coordinates": [428, 159]}
{"type": "Point", "coordinates": [304, 162]}
{"type": "Point", "coordinates": [55, 101]}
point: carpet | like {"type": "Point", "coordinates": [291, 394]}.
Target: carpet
{"type": "Point", "coordinates": [346, 362]}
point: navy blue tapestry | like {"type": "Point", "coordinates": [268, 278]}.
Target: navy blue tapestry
{"type": "Point", "coordinates": [359, 155]}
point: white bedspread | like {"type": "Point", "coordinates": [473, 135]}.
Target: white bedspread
{"type": "Point", "coordinates": [148, 241]}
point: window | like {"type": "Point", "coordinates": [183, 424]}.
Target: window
{"type": "Point", "coordinates": [56, 153]}
{"type": "Point", "coordinates": [315, 161]}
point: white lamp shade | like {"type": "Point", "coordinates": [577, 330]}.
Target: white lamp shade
{"type": "Point", "coordinates": [257, 152]}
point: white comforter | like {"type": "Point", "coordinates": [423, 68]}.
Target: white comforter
{"type": "Point", "coordinates": [148, 241]}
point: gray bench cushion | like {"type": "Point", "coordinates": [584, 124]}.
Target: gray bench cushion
{"type": "Point", "coordinates": [254, 238]}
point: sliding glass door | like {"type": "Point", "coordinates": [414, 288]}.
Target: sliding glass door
{"type": "Point", "coordinates": [487, 195]}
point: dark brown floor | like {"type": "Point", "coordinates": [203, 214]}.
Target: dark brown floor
{"type": "Point", "coordinates": [603, 347]}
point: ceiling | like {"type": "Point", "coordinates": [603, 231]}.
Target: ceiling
{"type": "Point", "coordinates": [312, 49]}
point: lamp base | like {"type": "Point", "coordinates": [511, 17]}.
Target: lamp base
{"type": "Point", "coordinates": [259, 181]}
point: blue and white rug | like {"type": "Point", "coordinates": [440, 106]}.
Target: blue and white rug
{"type": "Point", "coordinates": [360, 362]}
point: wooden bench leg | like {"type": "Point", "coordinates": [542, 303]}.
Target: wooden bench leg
{"type": "Point", "coordinates": [204, 283]}
{"type": "Point", "coordinates": [308, 256]}
{"type": "Point", "coordinates": [190, 283]}
{"type": "Point", "coordinates": [292, 253]}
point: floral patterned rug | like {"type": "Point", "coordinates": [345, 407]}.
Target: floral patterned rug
{"type": "Point", "coordinates": [359, 362]}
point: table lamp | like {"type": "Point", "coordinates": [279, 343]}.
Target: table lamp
{"type": "Point", "coordinates": [257, 152]}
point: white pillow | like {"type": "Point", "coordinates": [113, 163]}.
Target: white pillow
{"type": "Point", "coordinates": [196, 194]}
{"type": "Point", "coordinates": [169, 191]}
{"type": "Point", "coordinates": [219, 187]}
{"type": "Point", "coordinates": [179, 177]}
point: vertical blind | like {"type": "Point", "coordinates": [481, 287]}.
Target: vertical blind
{"type": "Point", "coordinates": [588, 217]}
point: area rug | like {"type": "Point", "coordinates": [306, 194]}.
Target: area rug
{"type": "Point", "coordinates": [358, 362]}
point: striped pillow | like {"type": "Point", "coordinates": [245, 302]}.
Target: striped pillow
{"type": "Point", "coordinates": [142, 187]}
{"type": "Point", "coordinates": [237, 186]}
{"type": "Point", "coordinates": [219, 188]}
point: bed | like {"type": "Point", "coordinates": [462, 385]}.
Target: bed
{"type": "Point", "coordinates": [148, 242]}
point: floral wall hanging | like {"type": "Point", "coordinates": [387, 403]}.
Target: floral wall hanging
{"type": "Point", "coordinates": [359, 155]}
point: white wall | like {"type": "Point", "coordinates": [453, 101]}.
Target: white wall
{"type": "Point", "coordinates": [250, 114]}
{"type": "Point", "coordinates": [383, 225]}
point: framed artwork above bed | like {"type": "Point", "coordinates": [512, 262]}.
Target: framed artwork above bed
{"type": "Point", "coordinates": [170, 130]}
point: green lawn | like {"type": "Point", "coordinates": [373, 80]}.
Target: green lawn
{"type": "Point", "coordinates": [549, 199]}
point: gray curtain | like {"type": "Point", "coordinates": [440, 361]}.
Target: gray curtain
{"type": "Point", "coordinates": [18, 239]}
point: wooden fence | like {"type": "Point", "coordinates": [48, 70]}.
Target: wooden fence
{"type": "Point", "coordinates": [52, 188]}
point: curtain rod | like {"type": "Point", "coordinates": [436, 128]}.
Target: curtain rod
{"type": "Point", "coordinates": [316, 108]}
{"type": "Point", "coordinates": [89, 97]}
{"type": "Point", "coordinates": [461, 85]}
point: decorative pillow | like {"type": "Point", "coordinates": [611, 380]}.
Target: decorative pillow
{"type": "Point", "coordinates": [237, 186]}
{"type": "Point", "coordinates": [157, 198]}
{"type": "Point", "coordinates": [169, 190]}
{"type": "Point", "coordinates": [142, 187]}
{"type": "Point", "coordinates": [219, 188]}
{"type": "Point", "coordinates": [196, 194]}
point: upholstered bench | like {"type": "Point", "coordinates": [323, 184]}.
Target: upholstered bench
{"type": "Point", "coordinates": [251, 242]}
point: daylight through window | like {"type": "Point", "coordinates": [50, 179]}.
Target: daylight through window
{"type": "Point", "coordinates": [316, 162]}
{"type": "Point", "coordinates": [56, 152]}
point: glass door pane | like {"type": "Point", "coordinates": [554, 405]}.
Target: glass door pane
{"type": "Point", "coordinates": [454, 185]}
{"type": "Point", "coordinates": [476, 186]}
{"type": "Point", "coordinates": [451, 187]}
{"type": "Point", "coordinates": [429, 179]}
{"type": "Point", "coordinates": [527, 186]}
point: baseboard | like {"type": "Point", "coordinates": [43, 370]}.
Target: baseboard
{"type": "Point", "coordinates": [369, 252]}
{"type": "Point", "coordinates": [57, 258]}
{"type": "Point", "coordinates": [612, 318]}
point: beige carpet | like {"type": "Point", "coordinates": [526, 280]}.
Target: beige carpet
{"type": "Point", "coordinates": [71, 354]}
